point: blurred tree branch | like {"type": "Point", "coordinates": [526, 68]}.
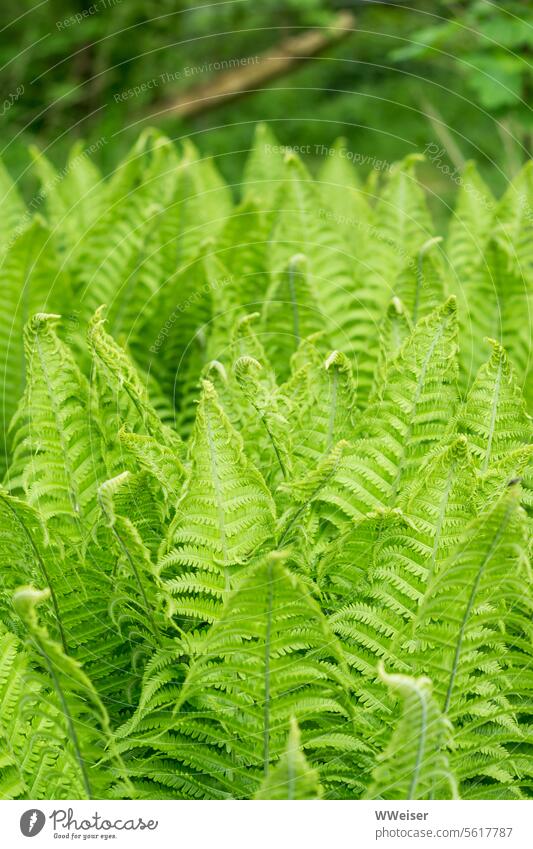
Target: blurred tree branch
{"type": "Point", "coordinates": [264, 68]}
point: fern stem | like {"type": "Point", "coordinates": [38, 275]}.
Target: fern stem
{"type": "Point", "coordinates": [291, 778]}
{"type": "Point", "coordinates": [470, 604]}
{"type": "Point", "coordinates": [419, 283]}
{"type": "Point", "coordinates": [306, 504]}
{"type": "Point", "coordinates": [294, 305]}
{"type": "Point", "coordinates": [273, 441]}
{"type": "Point", "coordinates": [131, 561]}
{"type": "Point", "coordinates": [420, 749]}
{"type": "Point", "coordinates": [69, 473]}
{"type": "Point", "coordinates": [145, 415]}
{"type": "Point", "coordinates": [494, 410]}
{"type": "Point", "coordinates": [332, 410]}
{"type": "Point", "coordinates": [266, 709]}
{"type": "Point", "coordinates": [440, 522]}
{"type": "Point", "coordinates": [419, 387]}
{"type": "Point", "coordinates": [216, 484]}
{"type": "Point", "coordinates": [44, 571]}
{"type": "Point", "coordinates": [68, 717]}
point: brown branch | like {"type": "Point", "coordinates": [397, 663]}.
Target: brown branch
{"type": "Point", "coordinates": [254, 73]}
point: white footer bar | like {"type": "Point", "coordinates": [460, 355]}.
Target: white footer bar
{"type": "Point", "coordinates": [267, 825]}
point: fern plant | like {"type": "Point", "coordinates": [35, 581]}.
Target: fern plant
{"type": "Point", "coordinates": [265, 520]}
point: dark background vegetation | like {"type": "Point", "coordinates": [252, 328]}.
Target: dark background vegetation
{"type": "Point", "coordinates": [455, 73]}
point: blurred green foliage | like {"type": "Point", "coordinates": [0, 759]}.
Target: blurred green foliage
{"type": "Point", "coordinates": [66, 64]}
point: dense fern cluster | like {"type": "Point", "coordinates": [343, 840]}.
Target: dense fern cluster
{"type": "Point", "coordinates": [265, 516]}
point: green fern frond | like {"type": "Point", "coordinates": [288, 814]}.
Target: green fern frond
{"type": "Point", "coordinates": [226, 511]}
{"type": "Point", "coordinates": [415, 764]}
{"type": "Point", "coordinates": [420, 286]}
{"type": "Point", "coordinates": [15, 216]}
{"type": "Point", "coordinates": [263, 169]}
{"type": "Point", "coordinates": [329, 412]}
{"type": "Point", "coordinates": [469, 228]}
{"type": "Point", "coordinates": [283, 462]}
{"type": "Point", "coordinates": [347, 563]}
{"type": "Point", "coordinates": [290, 313]}
{"type": "Point", "coordinates": [303, 492]}
{"type": "Point", "coordinates": [394, 329]}
{"type": "Point", "coordinates": [37, 760]}
{"type": "Point", "coordinates": [440, 501]}
{"type": "Point", "coordinates": [473, 634]}
{"type": "Point", "coordinates": [513, 224]}
{"type": "Point", "coordinates": [243, 247]}
{"type": "Point", "coordinates": [120, 259]}
{"type": "Point", "coordinates": [274, 426]}
{"type": "Point", "coordinates": [24, 556]}
{"type": "Point", "coordinates": [256, 670]}
{"type": "Point", "coordinates": [130, 392]}
{"type": "Point", "coordinates": [403, 424]}
{"type": "Point", "coordinates": [137, 597]}
{"type": "Point", "coordinates": [56, 446]}
{"type": "Point", "coordinates": [158, 459]}
{"type": "Point", "coordinates": [399, 226]}
{"type": "Point", "coordinates": [494, 299]}
{"type": "Point", "coordinates": [212, 196]}
{"type": "Point", "coordinates": [179, 338]}
{"type": "Point", "coordinates": [86, 721]}
{"type": "Point", "coordinates": [376, 573]}
{"type": "Point", "coordinates": [74, 197]}
{"type": "Point", "coordinates": [402, 215]}
{"type": "Point", "coordinates": [32, 281]}
{"type": "Point", "coordinates": [14, 684]}
{"type": "Point", "coordinates": [299, 230]}
{"type": "Point", "coordinates": [292, 778]}
{"type": "Point", "coordinates": [349, 202]}
{"type": "Point", "coordinates": [493, 416]}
